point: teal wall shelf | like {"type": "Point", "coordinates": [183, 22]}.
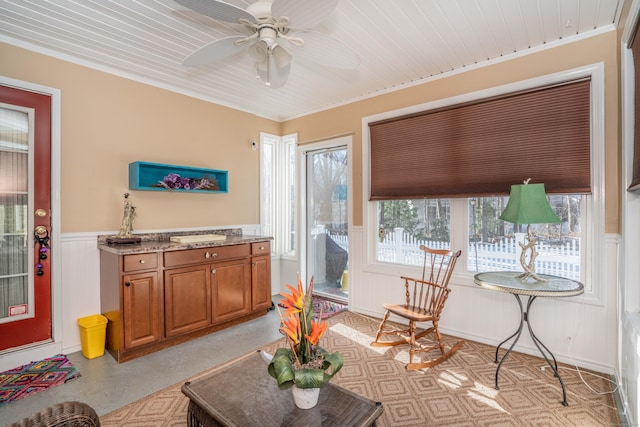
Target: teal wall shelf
{"type": "Point", "coordinates": [149, 176]}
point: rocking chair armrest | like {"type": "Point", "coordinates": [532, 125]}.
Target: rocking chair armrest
{"type": "Point", "coordinates": [424, 282]}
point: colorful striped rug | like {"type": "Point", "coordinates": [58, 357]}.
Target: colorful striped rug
{"type": "Point", "coordinates": [327, 307]}
{"type": "Point", "coordinates": [28, 379]}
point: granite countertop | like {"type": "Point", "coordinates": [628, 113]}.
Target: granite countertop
{"type": "Point", "coordinates": [160, 242]}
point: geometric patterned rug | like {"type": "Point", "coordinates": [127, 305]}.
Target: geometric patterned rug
{"type": "Point", "coordinates": [457, 392]}
{"type": "Point", "coordinates": [28, 379]}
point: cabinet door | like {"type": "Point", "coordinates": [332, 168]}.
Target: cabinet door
{"type": "Point", "coordinates": [187, 299]}
{"type": "Point", "coordinates": [231, 289]}
{"type": "Point", "coordinates": [141, 309]}
{"type": "Point", "coordinates": [261, 283]}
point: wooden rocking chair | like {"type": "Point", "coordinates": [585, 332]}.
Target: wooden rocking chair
{"type": "Point", "coordinates": [424, 300]}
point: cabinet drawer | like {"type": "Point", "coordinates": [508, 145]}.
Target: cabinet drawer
{"type": "Point", "coordinates": [261, 248]}
{"type": "Point", "coordinates": [138, 262]}
{"type": "Point", "coordinates": [212, 254]}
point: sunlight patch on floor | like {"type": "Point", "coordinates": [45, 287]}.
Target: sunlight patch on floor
{"type": "Point", "coordinates": [449, 380]}
{"type": "Point", "coordinates": [357, 337]}
{"type": "Point", "coordinates": [489, 401]}
{"type": "Point", "coordinates": [403, 356]}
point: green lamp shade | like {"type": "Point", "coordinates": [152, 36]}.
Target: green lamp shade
{"type": "Point", "coordinates": [528, 204]}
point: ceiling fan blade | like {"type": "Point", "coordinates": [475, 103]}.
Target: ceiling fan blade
{"type": "Point", "coordinates": [217, 9]}
{"type": "Point", "coordinates": [303, 13]}
{"type": "Point", "coordinates": [214, 51]}
{"type": "Point", "coordinates": [276, 73]}
{"type": "Point", "coordinates": [324, 50]}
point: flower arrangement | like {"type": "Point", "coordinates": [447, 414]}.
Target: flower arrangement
{"type": "Point", "coordinates": [174, 181]}
{"type": "Point", "coordinates": [304, 364]}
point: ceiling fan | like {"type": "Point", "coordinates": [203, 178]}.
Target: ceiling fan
{"type": "Point", "coordinates": [277, 31]}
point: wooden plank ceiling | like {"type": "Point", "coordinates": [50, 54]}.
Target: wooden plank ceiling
{"type": "Point", "coordinates": [399, 42]}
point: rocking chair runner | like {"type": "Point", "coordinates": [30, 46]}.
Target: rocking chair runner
{"type": "Point", "coordinates": [424, 301]}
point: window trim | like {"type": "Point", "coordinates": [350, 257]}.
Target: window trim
{"type": "Point", "coordinates": [281, 205]}
{"type": "Point", "coordinates": [593, 215]}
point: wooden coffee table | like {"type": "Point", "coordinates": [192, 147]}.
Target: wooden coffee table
{"type": "Point", "coordinates": [242, 393]}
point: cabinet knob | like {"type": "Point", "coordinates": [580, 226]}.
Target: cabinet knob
{"type": "Point", "coordinates": [207, 255]}
{"type": "Point", "coordinates": [141, 261]}
{"type": "Point", "coordinates": [213, 271]}
{"type": "Point", "coordinates": [262, 248]}
{"type": "Point", "coordinates": [127, 284]}
{"type": "Point", "coordinates": [214, 255]}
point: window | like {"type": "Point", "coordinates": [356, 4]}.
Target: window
{"type": "Point", "coordinates": [277, 190]}
{"type": "Point", "coordinates": [491, 244]}
{"type": "Point", "coordinates": [403, 225]}
{"type": "Point", "coordinates": [470, 221]}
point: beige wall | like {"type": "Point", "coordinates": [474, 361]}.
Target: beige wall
{"type": "Point", "coordinates": [108, 122]}
{"type": "Point", "coordinates": [602, 48]}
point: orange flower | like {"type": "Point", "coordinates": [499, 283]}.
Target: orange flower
{"type": "Point", "coordinates": [317, 330]}
{"type": "Point", "coordinates": [291, 327]}
{"type": "Point", "coordinates": [293, 303]}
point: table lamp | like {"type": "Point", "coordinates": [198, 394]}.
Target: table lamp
{"type": "Point", "coordinates": [528, 204]}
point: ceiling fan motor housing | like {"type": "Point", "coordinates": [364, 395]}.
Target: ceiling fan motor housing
{"type": "Point", "coordinates": [261, 10]}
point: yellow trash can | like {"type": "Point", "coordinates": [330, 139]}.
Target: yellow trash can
{"type": "Point", "coordinates": [344, 283]}
{"type": "Point", "coordinates": [93, 331]}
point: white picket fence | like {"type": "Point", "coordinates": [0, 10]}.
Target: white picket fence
{"type": "Point", "coordinates": [557, 260]}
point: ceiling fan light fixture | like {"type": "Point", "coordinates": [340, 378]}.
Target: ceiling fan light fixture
{"type": "Point", "coordinates": [259, 51]}
{"type": "Point", "coordinates": [275, 70]}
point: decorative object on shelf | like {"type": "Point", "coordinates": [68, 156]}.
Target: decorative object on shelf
{"type": "Point", "coordinates": [173, 181]}
{"type": "Point", "coordinates": [126, 227]}
{"type": "Point", "coordinates": [528, 204]}
{"type": "Point", "coordinates": [304, 365]}
{"type": "Point", "coordinates": [163, 177]}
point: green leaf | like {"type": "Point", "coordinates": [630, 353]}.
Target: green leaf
{"type": "Point", "coordinates": [281, 368]}
{"type": "Point", "coordinates": [309, 378]}
{"type": "Point", "coordinates": [333, 361]}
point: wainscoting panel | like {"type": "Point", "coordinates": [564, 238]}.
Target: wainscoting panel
{"type": "Point", "coordinates": [80, 271]}
{"type": "Point", "coordinates": [489, 317]}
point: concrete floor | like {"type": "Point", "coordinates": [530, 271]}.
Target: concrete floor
{"type": "Point", "coordinates": [106, 385]}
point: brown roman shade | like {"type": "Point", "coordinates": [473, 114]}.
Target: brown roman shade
{"type": "Point", "coordinates": [635, 51]}
{"type": "Point", "coordinates": [483, 147]}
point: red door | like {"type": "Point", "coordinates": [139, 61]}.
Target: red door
{"type": "Point", "coordinates": [25, 213]}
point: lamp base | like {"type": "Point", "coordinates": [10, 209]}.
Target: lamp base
{"type": "Point", "coordinates": [529, 266]}
{"type": "Point", "coordinates": [530, 274]}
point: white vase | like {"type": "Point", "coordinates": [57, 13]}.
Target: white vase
{"type": "Point", "coordinates": [305, 398]}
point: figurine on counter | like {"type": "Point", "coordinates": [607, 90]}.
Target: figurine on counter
{"type": "Point", "coordinates": [125, 236]}
{"type": "Point", "coordinates": [127, 219]}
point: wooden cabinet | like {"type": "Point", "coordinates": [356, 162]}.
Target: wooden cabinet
{"type": "Point", "coordinates": [260, 276]}
{"type": "Point", "coordinates": [187, 299]}
{"type": "Point", "coordinates": [141, 309]}
{"type": "Point", "coordinates": [231, 289]}
{"type": "Point", "coordinates": [155, 300]}
{"type": "Point", "coordinates": [130, 298]}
